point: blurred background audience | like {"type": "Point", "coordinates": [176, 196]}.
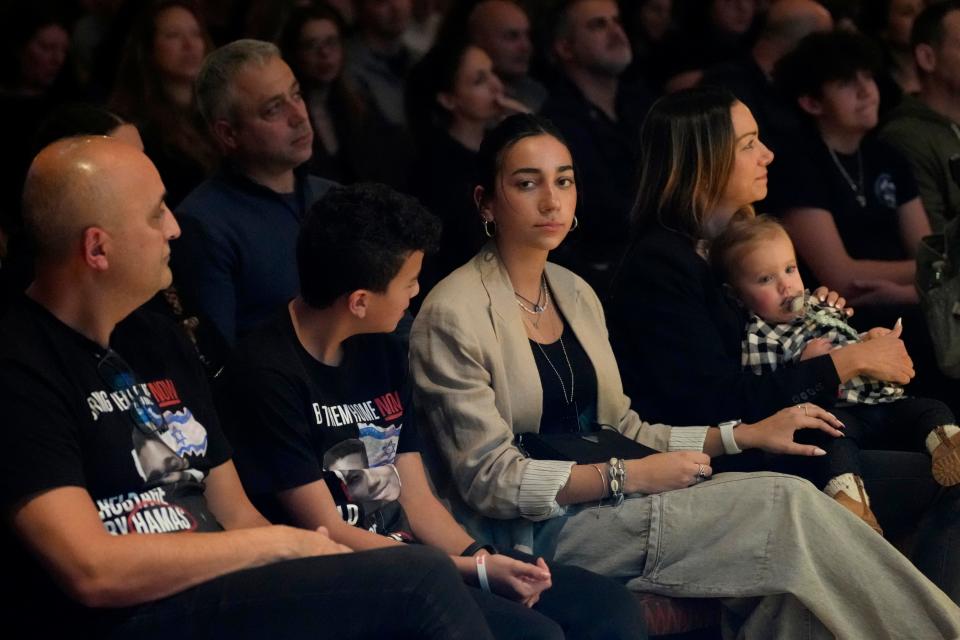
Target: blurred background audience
{"type": "Point", "coordinates": [402, 91]}
{"type": "Point", "coordinates": [351, 140]}
{"type": "Point", "coordinates": [154, 90]}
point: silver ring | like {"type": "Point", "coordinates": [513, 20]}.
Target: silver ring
{"type": "Point", "coordinates": [700, 474]}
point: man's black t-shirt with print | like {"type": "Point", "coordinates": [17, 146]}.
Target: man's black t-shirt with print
{"type": "Point", "coordinates": [294, 421]}
{"type": "Point", "coordinates": [132, 424]}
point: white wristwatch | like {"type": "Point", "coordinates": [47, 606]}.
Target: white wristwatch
{"type": "Point", "coordinates": [726, 436]}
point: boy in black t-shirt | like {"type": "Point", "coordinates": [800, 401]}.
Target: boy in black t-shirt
{"type": "Point", "coordinates": [110, 443]}
{"type": "Point", "coordinates": [325, 430]}
{"type": "Point", "coordinates": [849, 202]}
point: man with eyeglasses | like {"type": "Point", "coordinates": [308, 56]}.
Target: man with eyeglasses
{"type": "Point", "coordinates": [111, 446]}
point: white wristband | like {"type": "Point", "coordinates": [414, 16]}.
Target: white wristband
{"type": "Point", "coordinates": [482, 571]}
{"type": "Point", "coordinates": [726, 436]}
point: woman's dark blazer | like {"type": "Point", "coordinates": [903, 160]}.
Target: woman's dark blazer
{"type": "Point", "coordinates": [677, 337]}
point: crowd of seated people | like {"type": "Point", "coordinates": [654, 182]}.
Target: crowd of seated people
{"type": "Point", "coordinates": [395, 237]}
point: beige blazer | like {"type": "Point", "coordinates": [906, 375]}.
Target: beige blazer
{"type": "Point", "coordinates": [477, 384]}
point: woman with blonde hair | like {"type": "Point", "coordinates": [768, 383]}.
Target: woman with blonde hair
{"type": "Point", "coordinates": [678, 334]}
{"type": "Point", "coordinates": [667, 308]}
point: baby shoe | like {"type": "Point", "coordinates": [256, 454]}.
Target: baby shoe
{"type": "Point", "coordinates": [946, 459]}
{"type": "Point", "coordinates": [860, 509]}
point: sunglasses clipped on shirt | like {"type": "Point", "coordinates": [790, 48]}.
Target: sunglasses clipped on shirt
{"type": "Point", "coordinates": [120, 378]}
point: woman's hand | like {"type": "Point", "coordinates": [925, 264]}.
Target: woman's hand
{"type": "Point", "coordinates": [832, 299]}
{"type": "Point", "coordinates": [883, 357]}
{"type": "Point", "coordinates": [509, 106]}
{"type": "Point", "coordinates": [660, 472]}
{"type": "Point", "coordinates": [775, 434]}
{"type": "Point", "coordinates": [517, 580]}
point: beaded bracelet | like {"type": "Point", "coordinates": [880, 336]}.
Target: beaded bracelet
{"type": "Point", "coordinates": [618, 475]}
{"type": "Point", "coordinates": [622, 466]}
{"type": "Point", "coordinates": [622, 470]}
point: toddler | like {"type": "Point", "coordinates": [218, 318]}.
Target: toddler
{"type": "Point", "coordinates": [756, 259]}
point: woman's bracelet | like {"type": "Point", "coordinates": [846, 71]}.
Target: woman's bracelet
{"type": "Point", "coordinates": [603, 487]}
{"type": "Point", "coordinates": [618, 476]}
{"type": "Point", "coordinates": [622, 468]}
{"type": "Point", "coordinates": [482, 572]}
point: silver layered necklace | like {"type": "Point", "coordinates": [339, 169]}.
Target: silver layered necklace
{"type": "Point", "coordinates": [545, 293]}
{"type": "Point", "coordinates": [538, 308]}
{"type": "Point", "coordinates": [857, 187]}
{"type": "Point", "coordinates": [567, 398]}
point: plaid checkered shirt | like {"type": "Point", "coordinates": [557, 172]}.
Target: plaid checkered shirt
{"type": "Point", "coordinates": [766, 346]}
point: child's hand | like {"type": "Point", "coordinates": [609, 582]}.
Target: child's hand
{"type": "Point", "coordinates": [832, 299]}
{"type": "Point", "coordinates": [816, 347]}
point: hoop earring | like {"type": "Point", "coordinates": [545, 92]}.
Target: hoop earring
{"type": "Point", "coordinates": [486, 227]}
{"type": "Point", "coordinates": [576, 223]}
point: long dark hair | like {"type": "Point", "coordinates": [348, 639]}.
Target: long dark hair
{"type": "Point", "coordinates": [687, 151]}
{"type": "Point", "coordinates": [434, 74]}
{"type": "Point", "coordinates": [138, 94]}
